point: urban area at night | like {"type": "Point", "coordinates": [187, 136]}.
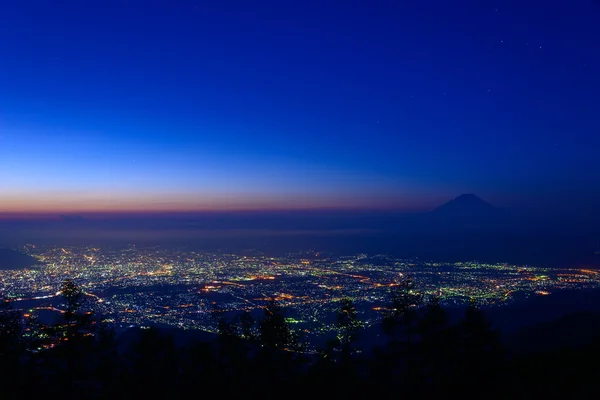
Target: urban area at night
{"type": "Point", "coordinates": [141, 286]}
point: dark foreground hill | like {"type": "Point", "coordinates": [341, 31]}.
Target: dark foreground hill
{"type": "Point", "coordinates": [422, 353]}
{"type": "Point", "coordinates": [572, 331]}
{"type": "Point", "coordinates": [181, 337]}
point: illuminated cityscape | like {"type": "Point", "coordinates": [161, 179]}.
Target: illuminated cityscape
{"type": "Point", "coordinates": [132, 286]}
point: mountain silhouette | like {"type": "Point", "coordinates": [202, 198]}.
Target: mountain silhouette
{"type": "Point", "coordinates": [466, 212]}
{"type": "Point", "coordinates": [466, 205]}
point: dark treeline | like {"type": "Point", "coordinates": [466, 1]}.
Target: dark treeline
{"type": "Point", "coordinates": [426, 355]}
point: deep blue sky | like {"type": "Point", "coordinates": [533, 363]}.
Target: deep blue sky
{"type": "Point", "coordinates": [284, 104]}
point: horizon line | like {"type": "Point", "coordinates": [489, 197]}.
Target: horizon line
{"type": "Point", "coordinates": [59, 214]}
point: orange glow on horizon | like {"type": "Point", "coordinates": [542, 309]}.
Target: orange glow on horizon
{"type": "Point", "coordinates": [35, 205]}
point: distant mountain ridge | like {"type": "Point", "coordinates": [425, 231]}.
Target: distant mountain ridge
{"type": "Point", "coordinates": [466, 205]}
{"type": "Point", "coordinates": [11, 259]}
{"type": "Point", "coordinates": [466, 211]}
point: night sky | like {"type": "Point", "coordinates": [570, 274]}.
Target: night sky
{"type": "Point", "coordinates": [205, 105]}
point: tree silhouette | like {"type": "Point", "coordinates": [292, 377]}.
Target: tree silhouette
{"type": "Point", "coordinates": [107, 360]}
{"type": "Point", "coordinates": [348, 326]}
{"type": "Point", "coordinates": [438, 347]}
{"type": "Point", "coordinates": [275, 336]}
{"type": "Point", "coordinates": [274, 331]}
{"type": "Point", "coordinates": [480, 350]}
{"type": "Point", "coordinates": [12, 347]}
{"type": "Point", "coordinates": [75, 332]}
{"type": "Point", "coordinates": [479, 338]}
{"type": "Point", "coordinates": [73, 298]}
{"type": "Point", "coordinates": [401, 319]}
{"type": "Point", "coordinates": [225, 328]}
{"type": "Point", "coordinates": [231, 351]}
{"type": "Point", "coordinates": [434, 320]}
{"type": "Point", "coordinates": [199, 360]}
{"type": "Point", "coordinates": [153, 363]}
{"type": "Point", "coordinates": [247, 322]}
{"type": "Point", "coordinates": [11, 331]}
{"type": "Point", "coordinates": [398, 362]}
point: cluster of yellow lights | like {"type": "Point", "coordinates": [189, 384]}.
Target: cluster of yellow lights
{"type": "Point", "coordinates": [210, 288]}
{"type": "Point", "coordinates": [260, 277]}
{"type": "Point", "coordinates": [589, 271]}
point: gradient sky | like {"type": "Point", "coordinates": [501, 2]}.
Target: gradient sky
{"type": "Point", "coordinates": [201, 105]}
